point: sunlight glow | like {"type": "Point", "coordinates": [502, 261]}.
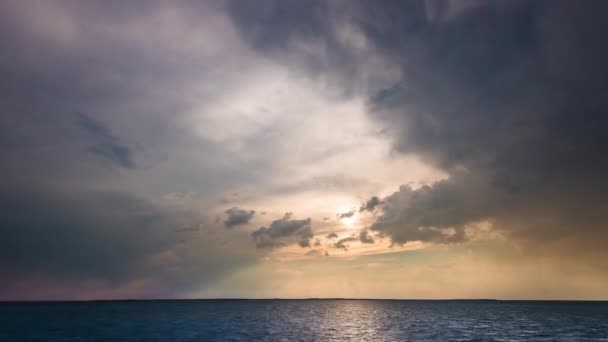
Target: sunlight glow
{"type": "Point", "coordinates": [349, 221]}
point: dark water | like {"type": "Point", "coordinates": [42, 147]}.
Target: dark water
{"type": "Point", "coordinates": [304, 320]}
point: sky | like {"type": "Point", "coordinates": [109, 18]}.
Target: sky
{"type": "Point", "coordinates": [296, 149]}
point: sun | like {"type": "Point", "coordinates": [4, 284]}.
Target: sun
{"type": "Point", "coordinates": [347, 214]}
{"type": "Point", "coordinates": [349, 221]}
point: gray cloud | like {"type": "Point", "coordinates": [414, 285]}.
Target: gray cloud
{"type": "Point", "coordinates": [507, 98]}
{"type": "Point", "coordinates": [238, 216]}
{"type": "Point", "coordinates": [346, 214]}
{"type": "Point", "coordinates": [304, 242]}
{"type": "Point", "coordinates": [317, 252]}
{"type": "Point", "coordinates": [272, 24]}
{"type": "Point", "coordinates": [72, 216]}
{"type": "Point", "coordinates": [48, 232]}
{"type": "Point", "coordinates": [371, 204]}
{"type": "Point", "coordinates": [500, 112]}
{"type": "Point", "coordinates": [107, 145]}
{"type": "Point", "coordinates": [314, 252]}
{"type": "Point", "coordinates": [109, 238]}
{"type": "Point", "coordinates": [284, 231]}
{"type": "Point", "coordinates": [365, 237]}
{"type": "Point", "coordinates": [430, 213]}
{"type": "Point", "coordinates": [332, 236]}
{"type": "Point", "coordinates": [343, 243]}
{"type": "Point", "coordinates": [135, 89]}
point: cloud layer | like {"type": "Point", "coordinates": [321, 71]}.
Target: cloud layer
{"type": "Point", "coordinates": [508, 100]}
{"type": "Point", "coordinates": [133, 135]}
{"type": "Point", "coordinates": [506, 97]}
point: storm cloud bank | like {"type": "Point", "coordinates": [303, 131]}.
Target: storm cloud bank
{"type": "Point", "coordinates": [507, 97]}
{"type": "Point", "coordinates": [132, 135]}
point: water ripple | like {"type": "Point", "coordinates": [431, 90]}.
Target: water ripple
{"type": "Point", "coordinates": [305, 320]}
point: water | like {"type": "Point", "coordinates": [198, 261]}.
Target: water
{"type": "Point", "coordinates": [304, 320]}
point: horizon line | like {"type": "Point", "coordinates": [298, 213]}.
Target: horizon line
{"type": "Point", "coordinates": [294, 299]}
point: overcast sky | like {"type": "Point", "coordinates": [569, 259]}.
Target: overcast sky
{"type": "Point", "coordinates": [338, 148]}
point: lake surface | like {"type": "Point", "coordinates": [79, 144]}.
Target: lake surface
{"type": "Point", "coordinates": [304, 320]}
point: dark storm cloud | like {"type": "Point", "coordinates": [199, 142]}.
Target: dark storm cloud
{"type": "Point", "coordinates": [94, 234]}
{"type": "Point", "coordinates": [273, 24]}
{"type": "Point", "coordinates": [238, 216]}
{"type": "Point", "coordinates": [108, 146]}
{"type": "Point", "coordinates": [284, 231]}
{"type": "Point", "coordinates": [73, 240]}
{"type": "Point", "coordinates": [305, 35]}
{"type": "Point", "coordinates": [70, 215]}
{"type": "Point", "coordinates": [371, 204]}
{"type": "Point", "coordinates": [507, 100]}
{"type": "Point", "coordinates": [507, 97]}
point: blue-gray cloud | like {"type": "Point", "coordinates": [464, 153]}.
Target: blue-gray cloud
{"type": "Point", "coordinates": [107, 145]}
{"type": "Point", "coordinates": [284, 231]}
{"type": "Point", "coordinates": [238, 216]}
{"type": "Point", "coordinates": [71, 216]}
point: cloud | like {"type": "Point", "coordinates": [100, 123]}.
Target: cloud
{"type": "Point", "coordinates": [429, 214]}
{"type": "Point", "coordinates": [501, 114]}
{"type": "Point", "coordinates": [107, 145]}
{"type": "Point", "coordinates": [371, 204]}
{"type": "Point", "coordinates": [343, 243]}
{"type": "Point", "coordinates": [271, 24]}
{"type": "Point", "coordinates": [332, 236]}
{"type": "Point", "coordinates": [365, 237]}
{"type": "Point", "coordinates": [304, 242]}
{"type": "Point", "coordinates": [284, 231]}
{"type": "Point", "coordinates": [72, 217]}
{"type": "Point", "coordinates": [315, 252]}
{"type": "Point", "coordinates": [136, 94]}
{"type": "Point", "coordinates": [506, 98]}
{"type": "Point", "coordinates": [339, 182]}
{"type": "Point", "coordinates": [346, 214]}
{"type": "Point", "coordinates": [49, 232]}
{"type": "Point", "coordinates": [238, 216]}
{"type": "Point", "coordinates": [111, 239]}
